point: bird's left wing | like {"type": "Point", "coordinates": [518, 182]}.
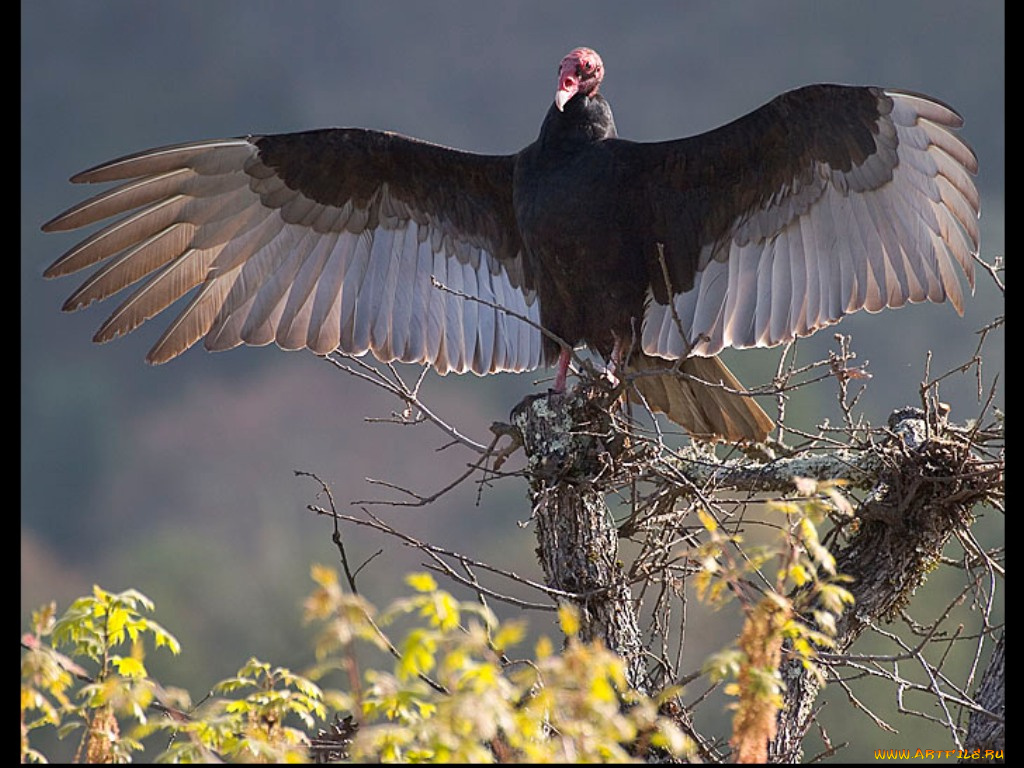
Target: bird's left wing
{"type": "Point", "coordinates": [330, 239]}
{"type": "Point", "coordinates": [827, 200]}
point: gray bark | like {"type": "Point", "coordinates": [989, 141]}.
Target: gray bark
{"type": "Point", "coordinates": [570, 446]}
{"type": "Point", "coordinates": [987, 735]}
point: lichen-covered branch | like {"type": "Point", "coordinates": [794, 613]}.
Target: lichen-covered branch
{"type": "Point", "coordinates": [923, 479]}
{"type": "Point", "coordinates": [570, 446]}
{"type": "Point", "coordinates": [619, 515]}
{"type": "Point", "coordinates": [923, 494]}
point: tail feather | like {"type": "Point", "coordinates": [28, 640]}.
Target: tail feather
{"type": "Point", "coordinates": [707, 412]}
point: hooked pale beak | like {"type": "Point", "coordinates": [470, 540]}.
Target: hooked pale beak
{"type": "Point", "coordinates": [568, 84]}
{"type": "Point", "coordinates": [563, 95]}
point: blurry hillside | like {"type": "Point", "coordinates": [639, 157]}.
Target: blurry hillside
{"type": "Point", "coordinates": [178, 480]}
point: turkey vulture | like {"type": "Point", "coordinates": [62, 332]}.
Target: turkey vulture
{"type": "Point", "coordinates": [826, 200]}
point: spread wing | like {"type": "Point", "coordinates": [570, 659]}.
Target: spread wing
{"type": "Point", "coordinates": [827, 200]}
{"type": "Point", "coordinates": [327, 240]}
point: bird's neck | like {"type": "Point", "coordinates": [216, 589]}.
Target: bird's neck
{"type": "Point", "coordinates": [585, 120]}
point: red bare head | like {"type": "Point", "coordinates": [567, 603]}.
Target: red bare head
{"type": "Point", "coordinates": [581, 71]}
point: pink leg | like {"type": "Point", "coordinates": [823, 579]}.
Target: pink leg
{"type": "Point", "coordinates": [563, 370]}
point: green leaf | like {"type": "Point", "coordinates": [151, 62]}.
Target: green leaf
{"type": "Point", "coordinates": [254, 668]}
{"type": "Point", "coordinates": [511, 633]}
{"type": "Point", "coordinates": [241, 705]}
{"type": "Point", "coordinates": [444, 612]}
{"type": "Point", "coordinates": [116, 620]}
{"type": "Point", "coordinates": [162, 637]}
{"type": "Point", "coordinates": [307, 687]}
{"type": "Point", "coordinates": [417, 654]}
{"type": "Point", "coordinates": [133, 598]}
{"type": "Point", "coordinates": [421, 582]}
{"type": "Point", "coordinates": [233, 684]}
{"type": "Point", "coordinates": [569, 619]}
{"type": "Point", "coordinates": [68, 727]}
{"type": "Point", "coordinates": [129, 667]}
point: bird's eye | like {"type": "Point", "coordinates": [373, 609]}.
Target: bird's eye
{"type": "Point", "coordinates": [588, 66]}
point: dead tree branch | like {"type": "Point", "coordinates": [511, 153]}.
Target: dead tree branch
{"type": "Point", "coordinates": [602, 484]}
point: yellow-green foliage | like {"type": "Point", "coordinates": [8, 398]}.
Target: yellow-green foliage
{"type": "Point", "coordinates": [57, 691]}
{"type": "Point", "coordinates": [451, 695]}
{"type": "Point", "coordinates": [805, 619]}
{"type": "Point", "coordinates": [457, 689]}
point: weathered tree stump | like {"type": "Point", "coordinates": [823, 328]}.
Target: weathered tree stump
{"type": "Point", "coordinates": [571, 448]}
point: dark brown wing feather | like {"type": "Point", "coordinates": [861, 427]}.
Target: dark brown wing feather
{"type": "Point", "coordinates": [326, 239]}
{"type": "Point", "coordinates": [827, 200]}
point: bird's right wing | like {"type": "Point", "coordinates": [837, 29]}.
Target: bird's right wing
{"type": "Point", "coordinates": [330, 239]}
{"type": "Point", "coordinates": [827, 200]}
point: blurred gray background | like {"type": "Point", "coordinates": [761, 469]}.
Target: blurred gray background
{"type": "Point", "coordinates": [178, 480]}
